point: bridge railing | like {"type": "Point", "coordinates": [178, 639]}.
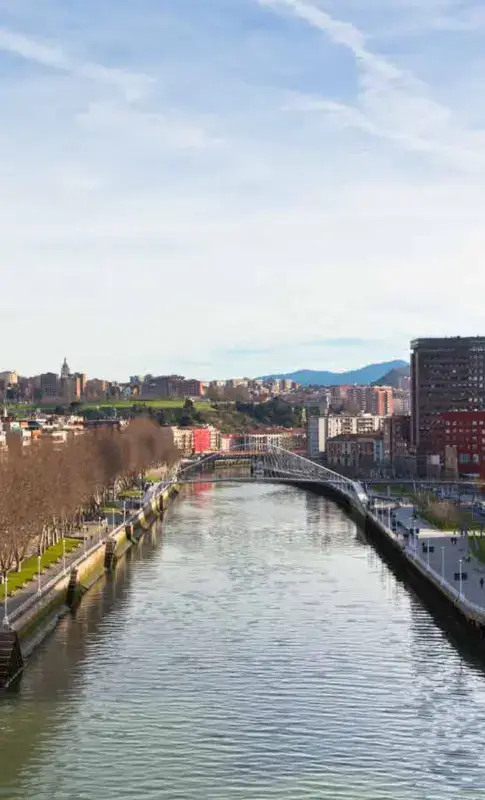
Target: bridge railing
{"type": "Point", "coordinates": [275, 461]}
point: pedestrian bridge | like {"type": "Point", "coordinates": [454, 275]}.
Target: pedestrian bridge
{"type": "Point", "coordinates": [271, 465]}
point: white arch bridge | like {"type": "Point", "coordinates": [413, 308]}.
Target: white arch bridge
{"type": "Point", "coordinates": [271, 465]}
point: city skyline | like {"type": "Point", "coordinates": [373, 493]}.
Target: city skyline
{"type": "Point", "coordinates": [66, 371]}
{"type": "Point", "coordinates": [291, 183]}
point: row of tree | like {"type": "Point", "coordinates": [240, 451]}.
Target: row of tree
{"type": "Point", "coordinates": [47, 490]}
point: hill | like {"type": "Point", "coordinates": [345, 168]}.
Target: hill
{"type": "Point", "coordinates": [392, 377]}
{"type": "Point", "coordinates": [365, 375]}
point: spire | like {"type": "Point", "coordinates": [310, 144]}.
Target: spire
{"type": "Point", "coordinates": [65, 371]}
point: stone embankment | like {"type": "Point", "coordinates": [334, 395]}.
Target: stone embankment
{"type": "Point", "coordinates": [441, 566]}
{"type": "Point", "coordinates": [30, 622]}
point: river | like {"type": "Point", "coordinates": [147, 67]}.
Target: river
{"type": "Point", "coordinates": [255, 648]}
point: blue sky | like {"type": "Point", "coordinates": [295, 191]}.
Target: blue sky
{"type": "Point", "coordinates": [230, 187]}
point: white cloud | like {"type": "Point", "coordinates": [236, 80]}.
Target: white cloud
{"type": "Point", "coordinates": [391, 103]}
{"type": "Point", "coordinates": [202, 194]}
{"type": "Point", "coordinates": [132, 85]}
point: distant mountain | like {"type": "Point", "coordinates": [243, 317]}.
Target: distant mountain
{"type": "Point", "coordinates": [392, 377]}
{"type": "Point", "coordinates": [365, 375]}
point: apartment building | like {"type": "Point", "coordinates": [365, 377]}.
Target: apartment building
{"type": "Point", "coordinates": [287, 438]}
{"type": "Point", "coordinates": [379, 400]}
{"type": "Point", "coordinates": [354, 452]}
{"type": "Point", "coordinates": [397, 437]}
{"type": "Point", "coordinates": [316, 436]}
{"type": "Point", "coordinates": [321, 429]}
{"type": "Point", "coordinates": [459, 437]}
{"type": "Point", "coordinates": [166, 386]}
{"type": "Point", "coordinates": [49, 384]}
{"type": "Point", "coordinates": [447, 374]}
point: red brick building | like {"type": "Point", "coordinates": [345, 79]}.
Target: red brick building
{"type": "Point", "coordinates": [465, 432]}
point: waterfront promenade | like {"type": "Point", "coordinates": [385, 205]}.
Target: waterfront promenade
{"type": "Point", "coordinates": [95, 532]}
{"type": "Point", "coordinates": [447, 553]}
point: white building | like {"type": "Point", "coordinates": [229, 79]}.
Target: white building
{"type": "Point", "coordinates": [317, 436]}
{"type": "Point", "coordinates": [321, 429]}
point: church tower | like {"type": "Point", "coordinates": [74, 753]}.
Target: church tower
{"type": "Point", "coordinates": [65, 371]}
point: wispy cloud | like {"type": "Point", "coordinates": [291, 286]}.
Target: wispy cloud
{"type": "Point", "coordinates": [392, 103]}
{"type": "Point", "coordinates": [132, 85]}
{"type": "Point", "coordinates": [254, 188]}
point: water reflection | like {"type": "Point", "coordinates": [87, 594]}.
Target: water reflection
{"type": "Point", "coordinates": [263, 651]}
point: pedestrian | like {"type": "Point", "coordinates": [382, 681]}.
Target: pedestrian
{"type": "Point", "coordinates": [481, 582]}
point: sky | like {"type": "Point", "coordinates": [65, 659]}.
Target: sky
{"type": "Point", "coordinates": [235, 187]}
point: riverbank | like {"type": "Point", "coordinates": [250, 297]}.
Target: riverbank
{"type": "Point", "coordinates": [443, 568]}
{"type": "Point", "coordinates": [33, 617]}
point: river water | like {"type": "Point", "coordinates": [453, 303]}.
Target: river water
{"type": "Point", "coordinates": [255, 648]}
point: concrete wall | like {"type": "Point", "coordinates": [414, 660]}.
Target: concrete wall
{"type": "Point", "coordinates": [42, 617]}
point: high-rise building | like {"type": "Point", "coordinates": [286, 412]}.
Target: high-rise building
{"type": "Point", "coordinates": [49, 384]}
{"type": "Point", "coordinates": [446, 375]}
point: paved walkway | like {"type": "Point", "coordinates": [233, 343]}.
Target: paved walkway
{"type": "Point", "coordinates": [95, 532]}
{"type": "Point", "coordinates": [446, 553]}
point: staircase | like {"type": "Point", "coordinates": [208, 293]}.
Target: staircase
{"type": "Point", "coordinates": [11, 661]}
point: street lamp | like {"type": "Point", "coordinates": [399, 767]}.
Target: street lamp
{"type": "Point", "coordinates": [443, 563]}
{"type": "Point", "coordinates": [461, 578]}
{"type": "Point", "coordinates": [427, 550]}
{"type": "Point", "coordinates": [38, 573]}
{"type": "Point", "coordinates": [5, 615]}
{"type": "Point", "coordinates": [64, 554]}
{"type": "Point", "coordinates": [124, 511]}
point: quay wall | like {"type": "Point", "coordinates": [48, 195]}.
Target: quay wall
{"type": "Point", "coordinates": [455, 614]}
{"type": "Point", "coordinates": [41, 615]}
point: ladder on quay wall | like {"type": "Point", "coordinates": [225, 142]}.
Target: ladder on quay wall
{"type": "Point", "coordinates": [11, 661]}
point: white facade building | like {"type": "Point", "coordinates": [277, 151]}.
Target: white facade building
{"type": "Point", "coordinates": [317, 436]}
{"type": "Point", "coordinates": [321, 429]}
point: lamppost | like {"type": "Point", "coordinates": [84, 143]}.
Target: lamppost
{"type": "Point", "coordinates": [124, 511]}
{"type": "Point", "coordinates": [38, 573]}
{"type": "Point", "coordinates": [64, 555]}
{"type": "Point", "coordinates": [461, 578]}
{"type": "Point", "coordinates": [5, 615]}
{"type": "Point", "coordinates": [443, 563]}
{"type": "Point", "coordinates": [427, 551]}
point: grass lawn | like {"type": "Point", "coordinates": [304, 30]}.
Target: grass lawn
{"type": "Point", "coordinates": [465, 520]}
{"type": "Point", "coordinates": [200, 405]}
{"type": "Point", "coordinates": [131, 494]}
{"type": "Point", "coordinates": [178, 403]}
{"type": "Point", "coordinates": [29, 567]}
{"type": "Point", "coordinates": [479, 542]}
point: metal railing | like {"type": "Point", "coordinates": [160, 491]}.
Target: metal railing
{"type": "Point", "coordinates": [277, 463]}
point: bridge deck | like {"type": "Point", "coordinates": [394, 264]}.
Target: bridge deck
{"type": "Point", "coordinates": [247, 479]}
